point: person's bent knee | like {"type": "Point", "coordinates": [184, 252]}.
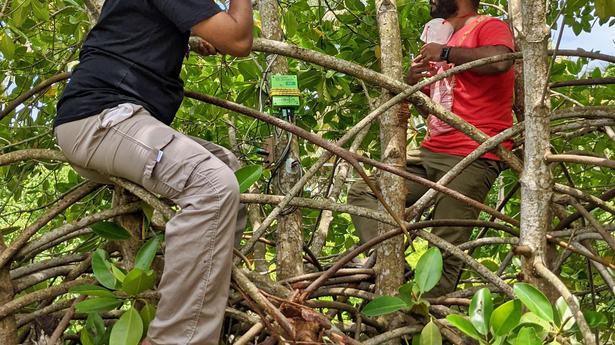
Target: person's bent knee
{"type": "Point", "coordinates": [357, 192]}
{"type": "Point", "coordinates": [229, 186]}
{"type": "Point", "coordinates": [225, 186]}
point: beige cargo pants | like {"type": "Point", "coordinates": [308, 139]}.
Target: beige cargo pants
{"type": "Point", "coordinates": [128, 142]}
{"type": "Point", "coordinates": [475, 182]}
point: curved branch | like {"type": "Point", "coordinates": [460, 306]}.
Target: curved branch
{"type": "Point", "coordinates": [585, 112]}
{"type": "Point", "coordinates": [603, 162]}
{"type": "Point", "coordinates": [582, 82]}
{"type": "Point", "coordinates": [144, 195]}
{"type": "Point", "coordinates": [35, 278]}
{"type": "Point", "coordinates": [488, 241]}
{"type": "Point", "coordinates": [41, 247]}
{"type": "Point", "coordinates": [50, 292]}
{"type": "Point", "coordinates": [22, 155]}
{"type": "Point", "coordinates": [570, 300]}
{"type": "Point", "coordinates": [251, 290]}
{"type": "Point", "coordinates": [583, 53]}
{"type": "Point", "coordinates": [39, 266]}
{"type": "Point", "coordinates": [608, 238]}
{"type": "Point", "coordinates": [38, 88]}
{"type": "Point", "coordinates": [393, 334]}
{"type": "Point", "coordinates": [69, 199]}
{"type": "Point", "coordinates": [356, 210]}
{"type": "Point", "coordinates": [608, 195]}
{"type": "Point", "coordinates": [23, 319]}
{"type": "Point", "coordinates": [343, 291]}
{"type": "Point", "coordinates": [66, 229]}
{"type": "Point", "coordinates": [604, 273]}
{"type": "Point", "coordinates": [583, 196]}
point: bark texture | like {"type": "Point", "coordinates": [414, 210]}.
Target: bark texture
{"type": "Point", "coordinates": [132, 222]}
{"type": "Point", "coordinates": [536, 179]}
{"type": "Point", "coordinates": [390, 254]}
{"type": "Point", "coordinates": [8, 326]}
{"type": "Point", "coordinates": [289, 235]}
{"type": "Point", "coordinates": [514, 10]}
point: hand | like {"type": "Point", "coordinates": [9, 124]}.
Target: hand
{"type": "Point", "coordinates": [202, 47]}
{"type": "Point", "coordinates": [431, 52]}
{"type": "Point", "coordinates": [418, 70]}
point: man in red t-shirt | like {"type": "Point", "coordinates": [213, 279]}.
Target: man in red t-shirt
{"type": "Point", "coordinates": [482, 96]}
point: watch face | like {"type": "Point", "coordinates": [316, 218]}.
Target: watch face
{"type": "Point", "coordinates": [444, 54]}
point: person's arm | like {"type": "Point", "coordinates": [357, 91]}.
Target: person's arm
{"type": "Point", "coordinates": [229, 32]}
{"type": "Point", "coordinates": [458, 56]}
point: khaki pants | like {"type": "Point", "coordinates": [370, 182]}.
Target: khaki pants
{"type": "Point", "coordinates": [128, 142]}
{"type": "Point", "coordinates": [475, 182]}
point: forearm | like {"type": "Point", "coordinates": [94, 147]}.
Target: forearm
{"type": "Point", "coordinates": [458, 56]}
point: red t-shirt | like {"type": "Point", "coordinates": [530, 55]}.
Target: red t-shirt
{"type": "Point", "coordinates": [485, 100]}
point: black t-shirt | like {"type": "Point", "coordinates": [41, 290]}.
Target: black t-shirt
{"type": "Point", "coordinates": [133, 54]}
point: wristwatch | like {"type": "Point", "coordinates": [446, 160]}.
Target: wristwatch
{"type": "Point", "coordinates": [445, 53]}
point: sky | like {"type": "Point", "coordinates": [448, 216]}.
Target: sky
{"type": "Point", "coordinates": [602, 38]}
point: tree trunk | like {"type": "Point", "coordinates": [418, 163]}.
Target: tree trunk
{"type": "Point", "coordinates": [8, 326]}
{"type": "Point", "coordinates": [514, 12]}
{"type": "Point", "coordinates": [289, 235]}
{"type": "Point", "coordinates": [94, 7]}
{"type": "Point", "coordinates": [536, 179]}
{"type": "Point", "coordinates": [132, 223]}
{"type": "Point", "coordinates": [390, 254]}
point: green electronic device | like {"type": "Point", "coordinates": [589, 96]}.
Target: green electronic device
{"type": "Point", "coordinates": [284, 92]}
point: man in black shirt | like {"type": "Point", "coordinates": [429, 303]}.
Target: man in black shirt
{"type": "Point", "coordinates": [113, 120]}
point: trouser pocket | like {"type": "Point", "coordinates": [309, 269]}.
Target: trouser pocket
{"type": "Point", "coordinates": [171, 161]}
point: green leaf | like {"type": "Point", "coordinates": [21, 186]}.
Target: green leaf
{"type": "Point", "coordinates": [480, 311]}
{"type": "Point", "coordinates": [97, 304]}
{"type": "Point", "coordinates": [290, 22]}
{"type": "Point", "coordinates": [405, 292]}
{"type": "Point", "coordinates": [91, 290]}
{"type": "Point", "coordinates": [40, 9]}
{"type": "Point", "coordinates": [527, 336]}
{"type": "Point", "coordinates": [137, 281]}
{"type": "Point", "coordinates": [147, 253]}
{"type": "Point", "coordinates": [102, 269]}
{"type": "Point", "coordinates": [128, 329]}
{"type": "Point", "coordinates": [148, 312]}
{"type": "Point", "coordinates": [148, 211]}
{"type": "Point", "coordinates": [85, 337]}
{"type": "Point", "coordinates": [429, 269]}
{"type": "Point", "coordinates": [430, 335]}
{"type": "Point", "coordinates": [7, 47]}
{"type": "Point", "coordinates": [505, 317]}
{"type": "Point", "coordinates": [384, 305]}
{"type": "Point", "coordinates": [533, 319]}
{"type": "Point", "coordinates": [605, 9]}
{"type": "Point", "coordinates": [596, 319]}
{"type": "Point", "coordinates": [19, 16]}
{"type": "Point", "coordinates": [110, 231]}
{"type": "Point", "coordinates": [463, 325]}
{"type": "Point", "coordinates": [247, 175]}
{"type": "Point", "coordinates": [564, 314]}
{"type": "Point", "coordinates": [95, 327]}
{"type": "Point", "coordinates": [118, 273]}
{"type": "Point", "coordinates": [534, 300]}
